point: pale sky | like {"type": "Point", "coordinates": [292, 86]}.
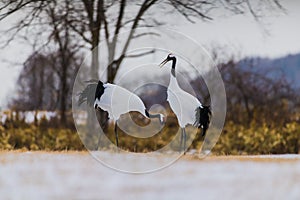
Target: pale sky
{"type": "Point", "coordinates": [238, 34]}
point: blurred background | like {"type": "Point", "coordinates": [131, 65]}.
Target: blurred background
{"type": "Point", "coordinates": [255, 45]}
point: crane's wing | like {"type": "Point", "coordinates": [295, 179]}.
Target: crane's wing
{"type": "Point", "coordinates": [183, 105]}
{"type": "Point", "coordinates": [117, 100]}
{"type": "Point", "coordinates": [88, 94]}
{"type": "Point", "coordinates": [93, 89]}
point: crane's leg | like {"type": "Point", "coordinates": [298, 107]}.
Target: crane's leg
{"type": "Point", "coordinates": [156, 116]}
{"type": "Point", "coordinates": [184, 141]}
{"type": "Point", "coordinates": [101, 134]}
{"type": "Point", "coordinates": [99, 141]}
{"type": "Point", "coordinates": [116, 134]}
{"type": "Point", "coordinates": [181, 140]}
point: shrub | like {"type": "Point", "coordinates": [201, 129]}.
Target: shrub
{"type": "Point", "coordinates": [237, 139]}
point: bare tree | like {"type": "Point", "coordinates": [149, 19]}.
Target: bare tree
{"type": "Point", "coordinates": [88, 18]}
{"type": "Point", "coordinates": [67, 49]}
{"type": "Point", "coordinates": [253, 95]}
{"type": "Point", "coordinates": [40, 85]}
{"type": "Point", "coordinates": [36, 90]}
{"type": "Point", "coordinates": [97, 21]}
{"type": "Point", "coordinates": [146, 13]}
{"type": "Point", "coordinates": [61, 50]}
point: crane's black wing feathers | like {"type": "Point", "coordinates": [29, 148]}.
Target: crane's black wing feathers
{"type": "Point", "coordinates": [99, 90]}
{"type": "Point", "coordinates": [203, 115]}
{"type": "Point", "coordinates": [92, 91]}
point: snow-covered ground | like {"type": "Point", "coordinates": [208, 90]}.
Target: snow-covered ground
{"type": "Point", "coordinates": [73, 175]}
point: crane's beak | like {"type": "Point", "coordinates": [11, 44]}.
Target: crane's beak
{"type": "Point", "coordinates": [163, 63]}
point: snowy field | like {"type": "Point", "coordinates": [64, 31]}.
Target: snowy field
{"type": "Point", "coordinates": [73, 175]}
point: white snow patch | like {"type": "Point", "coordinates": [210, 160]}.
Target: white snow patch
{"type": "Point", "coordinates": [27, 115]}
{"type": "Point", "coordinates": [34, 175]}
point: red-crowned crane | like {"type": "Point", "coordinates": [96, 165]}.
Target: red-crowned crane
{"type": "Point", "coordinates": [115, 100]}
{"type": "Point", "coordinates": [186, 107]}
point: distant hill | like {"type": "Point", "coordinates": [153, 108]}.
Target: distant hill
{"type": "Point", "coordinates": [287, 66]}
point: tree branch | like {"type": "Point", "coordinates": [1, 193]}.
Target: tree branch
{"type": "Point", "coordinates": [140, 54]}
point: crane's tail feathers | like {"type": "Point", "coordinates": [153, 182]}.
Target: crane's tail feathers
{"type": "Point", "coordinates": [90, 92]}
{"type": "Point", "coordinates": [203, 116]}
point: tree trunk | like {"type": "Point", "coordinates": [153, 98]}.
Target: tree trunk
{"type": "Point", "coordinates": [95, 63]}
{"type": "Point", "coordinates": [63, 90]}
{"type": "Point", "coordinates": [94, 71]}
{"type": "Point", "coordinates": [40, 90]}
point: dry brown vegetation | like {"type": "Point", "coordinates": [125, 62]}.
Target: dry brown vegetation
{"type": "Point", "coordinates": [236, 139]}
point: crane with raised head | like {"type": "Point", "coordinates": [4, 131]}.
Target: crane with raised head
{"type": "Point", "coordinates": [187, 108]}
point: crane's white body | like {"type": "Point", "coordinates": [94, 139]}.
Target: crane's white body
{"type": "Point", "coordinates": [182, 103]}
{"type": "Point", "coordinates": [117, 101]}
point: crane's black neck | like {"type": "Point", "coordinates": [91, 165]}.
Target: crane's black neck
{"type": "Point", "coordinates": [173, 66]}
